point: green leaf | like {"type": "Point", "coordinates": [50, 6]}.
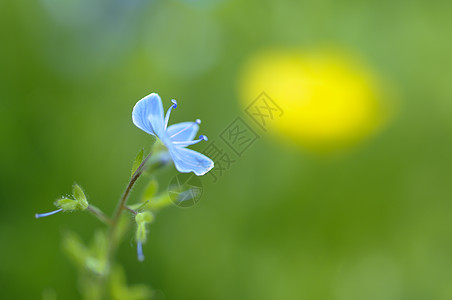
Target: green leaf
{"type": "Point", "coordinates": [91, 287]}
{"type": "Point", "coordinates": [99, 245]}
{"type": "Point", "coordinates": [150, 191]}
{"type": "Point", "coordinates": [120, 290]}
{"type": "Point", "coordinates": [98, 261]}
{"type": "Point", "coordinates": [156, 203]}
{"type": "Point", "coordinates": [159, 202]}
{"type": "Point", "coordinates": [67, 204]}
{"type": "Point", "coordinates": [137, 162]}
{"type": "Point", "coordinates": [80, 197]}
{"type": "Point", "coordinates": [96, 265]}
{"type": "Point", "coordinates": [75, 248]}
{"type": "Point", "coordinates": [78, 193]}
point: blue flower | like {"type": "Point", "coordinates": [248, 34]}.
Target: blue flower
{"type": "Point", "coordinates": [148, 116]}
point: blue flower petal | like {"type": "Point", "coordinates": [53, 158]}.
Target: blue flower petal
{"type": "Point", "coordinates": [187, 160]}
{"type": "Point", "coordinates": [147, 114]}
{"type": "Point", "coordinates": [182, 132]}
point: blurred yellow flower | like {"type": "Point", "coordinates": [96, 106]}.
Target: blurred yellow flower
{"type": "Point", "coordinates": [330, 100]}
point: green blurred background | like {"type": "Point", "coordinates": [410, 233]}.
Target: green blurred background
{"type": "Point", "coordinates": [282, 223]}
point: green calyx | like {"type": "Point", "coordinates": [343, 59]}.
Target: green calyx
{"type": "Point", "coordinates": [78, 203]}
{"type": "Point", "coordinates": [142, 219]}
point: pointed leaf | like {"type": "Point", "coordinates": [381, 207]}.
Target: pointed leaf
{"type": "Point", "coordinates": [80, 197]}
{"type": "Point", "coordinates": [75, 248]}
{"type": "Point", "coordinates": [66, 204]}
{"type": "Point", "coordinates": [150, 191]}
{"type": "Point", "coordinates": [78, 193]}
{"type": "Point", "coordinates": [137, 162]}
{"type": "Point", "coordinates": [120, 290]}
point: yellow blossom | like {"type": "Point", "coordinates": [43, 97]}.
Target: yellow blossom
{"type": "Point", "coordinates": [330, 100]}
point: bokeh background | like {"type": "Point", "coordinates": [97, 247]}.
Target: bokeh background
{"type": "Point", "coordinates": [370, 218]}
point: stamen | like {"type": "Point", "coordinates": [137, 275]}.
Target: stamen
{"type": "Point", "coordinates": [140, 251]}
{"type": "Point", "coordinates": [197, 122]}
{"type": "Point", "coordinates": [169, 112]}
{"type": "Point", "coordinates": [188, 143]}
{"type": "Point", "coordinates": [37, 216]}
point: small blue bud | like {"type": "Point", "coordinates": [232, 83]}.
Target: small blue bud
{"type": "Point", "coordinates": [140, 251]}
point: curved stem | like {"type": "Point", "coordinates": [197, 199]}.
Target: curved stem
{"type": "Point", "coordinates": [122, 206]}
{"type": "Point", "coordinates": [99, 214]}
{"type": "Point", "coordinates": [126, 193]}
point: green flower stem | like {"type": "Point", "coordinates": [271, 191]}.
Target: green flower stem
{"type": "Point", "coordinates": [99, 214]}
{"type": "Point", "coordinates": [122, 206]}
{"type": "Point", "coordinates": [114, 228]}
